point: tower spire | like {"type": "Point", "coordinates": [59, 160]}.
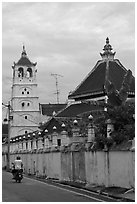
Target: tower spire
{"type": "Point", "coordinates": [24, 51]}
{"type": "Point", "coordinates": [107, 54]}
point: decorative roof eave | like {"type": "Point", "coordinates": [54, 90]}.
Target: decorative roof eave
{"type": "Point", "coordinates": [87, 94]}
{"type": "Point", "coordinates": [131, 93]}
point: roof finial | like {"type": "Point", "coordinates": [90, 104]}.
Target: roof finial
{"type": "Point", "coordinates": [23, 47]}
{"type": "Point", "coordinates": [24, 51]}
{"type": "Point", "coordinates": [107, 40]}
{"type": "Point", "coordinates": [107, 54]}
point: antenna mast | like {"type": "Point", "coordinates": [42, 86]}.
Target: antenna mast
{"type": "Point", "coordinates": [57, 90]}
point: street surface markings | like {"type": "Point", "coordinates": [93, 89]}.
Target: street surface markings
{"type": "Point", "coordinates": [97, 199]}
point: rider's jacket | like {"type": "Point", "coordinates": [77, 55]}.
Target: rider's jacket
{"type": "Point", "coordinates": [18, 164]}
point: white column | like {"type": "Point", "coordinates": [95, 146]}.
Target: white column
{"type": "Point", "coordinates": [24, 144]}
{"type": "Point", "coordinates": [91, 133]}
{"type": "Point", "coordinates": [14, 146]}
{"type": "Point", "coordinates": [17, 145]}
{"type": "Point", "coordinates": [29, 144]}
{"type": "Point", "coordinates": [64, 138]}
{"type": "Point", "coordinates": [46, 142]}
{"type": "Point", "coordinates": [20, 145]}
{"type": "Point", "coordinates": [54, 137]}
{"type": "Point", "coordinates": [34, 146]}
{"type": "Point", "coordinates": [11, 147]}
{"type": "Point", "coordinates": [110, 127]}
{"type": "Point", "coordinates": [40, 143]}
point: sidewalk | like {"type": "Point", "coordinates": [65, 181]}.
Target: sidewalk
{"type": "Point", "coordinates": [116, 192]}
{"type": "Point", "coordinates": [122, 194]}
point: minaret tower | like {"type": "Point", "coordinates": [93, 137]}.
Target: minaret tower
{"type": "Point", "coordinates": [24, 100]}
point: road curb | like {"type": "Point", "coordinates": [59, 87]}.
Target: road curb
{"type": "Point", "coordinates": [98, 192]}
{"type": "Point", "coordinates": [81, 187]}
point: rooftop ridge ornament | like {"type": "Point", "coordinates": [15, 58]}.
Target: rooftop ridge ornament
{"type": "Point", "coordinates": [107, 54]}
{"type": "Point", "coordinates": [24, 54]}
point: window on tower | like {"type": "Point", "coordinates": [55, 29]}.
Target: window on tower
{"type": "Point", "coordinates": [20, 72]}
{"type": "Point", "coordinates": [23, 104]}
{"type": "Point", "coordinates": [29, 72]}
{"type": "Point", "coordinates": [26, 131]}
{"type": "Point", "coordinates": [28, 104]}
{"type": "Point", "coordinates": [22, 92]}
{"type": "Point", "coordinates": [26, 117]}
{"type": "Point", "coordinates": [27, 92]}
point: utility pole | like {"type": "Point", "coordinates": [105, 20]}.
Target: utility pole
{"type": "Point", "coordinates": [57, 90]}
{"type": "Point", "coordinates": [8, 139]}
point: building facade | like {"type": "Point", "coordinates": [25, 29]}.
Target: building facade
{"type": "Point", "coordinates": [25, 112]}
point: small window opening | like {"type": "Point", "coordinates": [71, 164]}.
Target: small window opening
{"type": "Point", "coordinates": [25, 89]}
{"type": "Point", "coordinates": [27, 92]}
{"type": "Point", "coordinates": [26, 131]}
{"type": "Point", "coordinates": [22, 92]}
{"type": "Point", "coordinates": [23, 104]}
{"type": "Point", "coordinates": [59, 142]}
{"type": "Point", "coordinates": [26, 117]}
{"type": "Point", "coordinates": [28, 104]}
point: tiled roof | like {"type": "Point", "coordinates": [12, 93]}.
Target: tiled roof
{"type": "Point", "coordinates": [49, 109]}
{"type": "Point", "coordinates": [77, 109]}
{"type": "Point", "coordinates": [51, 123]}
{"type": "Point", "coordinates": [4, 128]}
{"type": "Point", "coordinates": [24, 61]}
{"type": "Point", "coordinates": [93, 85]}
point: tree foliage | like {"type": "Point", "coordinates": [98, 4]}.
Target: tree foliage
{"type": "Point", "coordinates": [124, 125]}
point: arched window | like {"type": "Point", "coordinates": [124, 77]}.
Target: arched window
{"type": "Point", "coordinates": [29, 72]}
{"type": "Point", "coordinates": [20, 72]}
{"type": "Point", "coordinates": [23, 104]}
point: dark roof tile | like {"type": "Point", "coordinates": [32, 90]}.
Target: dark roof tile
{"type": "Point", "coordinates": [93, 84]}
{"type": "Point", "coordinates": [77, 109]}
{"type": "Point", "coordinates": [24, 61]}
{"type": "Point", "coordinates": [48, 109]}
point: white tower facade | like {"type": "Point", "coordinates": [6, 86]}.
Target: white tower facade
{"type": "Point", "coordinates": [25, 110]}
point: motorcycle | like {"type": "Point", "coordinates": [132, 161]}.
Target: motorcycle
{"type": "Point", "coordinates": [18, 175]}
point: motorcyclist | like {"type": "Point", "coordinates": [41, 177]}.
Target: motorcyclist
{"type": "Point", "coordinates": [18, 165]}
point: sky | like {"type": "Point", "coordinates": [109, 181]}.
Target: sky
{"type": "Point", "coordinates": [64, 38]}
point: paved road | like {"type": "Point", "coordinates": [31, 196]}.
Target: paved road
{"type": "Point", "coordinates": [31, 190]}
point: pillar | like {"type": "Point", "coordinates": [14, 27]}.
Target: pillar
{"type": "Point", "coordinates": [29, 144]}
{"type": "Point", "coordinates": [54, 141]}
{"type": "Point", "coordinates": [20, 145]}
{"type": "Point", "coordinates": [24, 145]}
{"type": "Point", "coordinates": [40, 143]}
{"type": "Point", "coordinates": [91, 133]}
{"type": "Point", "coordinates": [34, 145]}
{"type": "Point", "coordinates": [64, 138]}
{"type": "Point", "coordinates": [110, 127]}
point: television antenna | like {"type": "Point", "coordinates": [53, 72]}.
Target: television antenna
{"type": "Point", "coordinates": [57, 90]}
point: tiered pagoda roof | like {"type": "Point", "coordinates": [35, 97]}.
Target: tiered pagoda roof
{"type": "Point", "coordinates": [94, 85]}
